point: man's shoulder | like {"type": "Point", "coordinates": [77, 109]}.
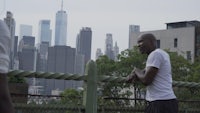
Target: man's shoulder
{"type": "Point", "coordinates": [160, 51]}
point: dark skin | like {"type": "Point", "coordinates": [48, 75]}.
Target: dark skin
{"type": "Point", "coordinates": [5, 103]}
{"type": "Point", "coordinates": [146, 44]}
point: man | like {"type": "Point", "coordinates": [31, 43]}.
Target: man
{"type": "Point", "coordinates": [5, 100]}
{"type": "Point", "coordinates": [156, 77]}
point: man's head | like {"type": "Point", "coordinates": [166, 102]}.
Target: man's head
{"type": "Point", "coordinates": [146, 43]}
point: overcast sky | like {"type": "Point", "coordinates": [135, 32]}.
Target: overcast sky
{"type": "Point", "coordinates": [103, 16]}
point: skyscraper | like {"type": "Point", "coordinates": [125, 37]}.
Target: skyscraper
{"type": "Point", "coordinates": [98, 53]}
{"type": "Point", "coordinates": [45, 34]}
{"type": "Point", "coordinates": [9, 20]}
{"type": "Point", "coordinates": [109, 46]}
{"type": "Point", "coordinates": [61, 59]}
{"type": "Point", "coordinates": [27, 54]}
{"type": "Point", "coordinates": [132, 30]}
{"type": "Point", "coordinates": [84, 42]}
{"type": "Point", "coordinates": [25, 30]}
{"type": "Point", "coordinates": [44, 31]}
{"type": "Point", "coordinates": [116, 51]}
{"type": "Point", "coordinates": [61, 27]}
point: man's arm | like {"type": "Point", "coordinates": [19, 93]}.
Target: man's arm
{"type": "Point", "coordinates": [147, 76]}
{"type": "Point", "coordinates": [5, 44]}
{"type": "Point", "coordinates": [5, 99]}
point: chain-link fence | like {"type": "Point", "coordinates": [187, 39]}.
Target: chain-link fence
{"type": "Point", "coordinates": [112, 98]}
{"type": "Point", "coordinates": [123, 98]}
{"type": "Point", "coordinates": [44, 104]}
{"type": "Point", "coordinates": [107, 94]}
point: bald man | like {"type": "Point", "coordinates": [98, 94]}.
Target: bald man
{"type": "Point", "coordinates": [156, 77]}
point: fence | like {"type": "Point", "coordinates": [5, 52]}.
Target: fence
{"type": "Point", "coordinates": [94, 101]}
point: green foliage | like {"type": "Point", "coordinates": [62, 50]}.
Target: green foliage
{"type": "Point", "coordinates": [16, 79]}
{"type": "Point", "coordinates": [105, 65]}
{"type": "Point", "coordinates": [71, 97]}
{"type": "Point", "coordinates": [182, 70]}
{"type": "Point", "coordinates": [127, 60]}
{"type": "Point", "coordinates": [195, 76]}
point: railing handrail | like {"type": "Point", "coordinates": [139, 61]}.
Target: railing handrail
{"type": "Point", "coordinates": [77, 77]}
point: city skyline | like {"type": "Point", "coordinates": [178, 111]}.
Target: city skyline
{"type": "Point", "coordinates": [113, 16]}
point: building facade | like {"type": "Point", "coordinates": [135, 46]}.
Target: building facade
{"type": "Point", "coordinates": [116, 51]}
{"type": "Point", "coordinates": [181, 37]}
{"type": "Point", "coordinates": [45, 33]}
{"type": "Point", "coordinates": [109, 46]}
{"type": "Point", "coordinates": [61, 59]}
{"type": "Point", "coordinates": [84, 42]}
{"type": "Point", "coordinates": [132, 30]}
{"type": "Point", "coordinates": [27, 54]}
{"type": "Point", "coordinates": [25, 30]}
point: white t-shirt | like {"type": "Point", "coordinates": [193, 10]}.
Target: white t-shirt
{"type": "Point", "coordinates": [4, 47]}
{"type": "Point", "coordinates": [161, 87]}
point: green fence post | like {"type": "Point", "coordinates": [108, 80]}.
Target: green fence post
{"type": "Point", "coordinates": [91, 88]}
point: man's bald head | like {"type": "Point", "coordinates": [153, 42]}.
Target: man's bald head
{"type": "Point", "coordinates": [147, 43]}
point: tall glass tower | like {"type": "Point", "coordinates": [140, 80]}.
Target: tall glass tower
{"type": "Point", "coordinates": [44, 31]}
{"type": "Point", "coordinates": [61, 27]}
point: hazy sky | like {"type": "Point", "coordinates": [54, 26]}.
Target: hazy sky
{"type": "Point", "coordinates": [103, 16]}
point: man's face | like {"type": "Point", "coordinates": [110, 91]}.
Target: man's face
{"type": "Point", "coordinates": [143, 45]}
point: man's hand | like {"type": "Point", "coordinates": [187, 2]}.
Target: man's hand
{"type": "Point", "coordinates": [132, 77]}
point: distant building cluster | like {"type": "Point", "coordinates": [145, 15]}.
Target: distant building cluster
{"type": "Point", "coordinates": [29, 55]}
{"type": "Point", "coordinates": [110, 51]}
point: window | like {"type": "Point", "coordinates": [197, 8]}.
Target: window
{"type": "Point", "coordinates": [189, 57]}
{"type": "Point", "coordinates": [158, 43]}
{"type": "Point", "coordinates": [175, 42]}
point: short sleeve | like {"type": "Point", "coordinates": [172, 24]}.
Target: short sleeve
{"type": "Point", "coordinates": [5, 41]}
{"type": "Point", "coordinates": [155, 59]}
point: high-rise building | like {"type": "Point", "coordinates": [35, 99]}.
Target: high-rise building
{"type": "Point", "coordinates": [181, 37]}
{"type": "Point", "coordinates": [25, 30]}
{"type": "Point", "coordinates": [27, 54]}
{"type": "Point", "coordinates": [98, 53]}
{"type": "Point", "coordinates": [42, 56]}
{"type": "Point", "coordinates": [116, 51]}
{"type": "Point", "coordinates": [61, 59]}
{"type": "Point", "coordinates": [133, 29]}
{"type": "Point", "coordinates": [84, 42]}
{"type": "Point", "coordinates": [61, 27]}
{"type": "Point", "coordinates": [83, 51]}
{"type": "Point", "coordinates": [45, 33]}
{"type": "Point", "coordinates": [10, 21]}
{"type": "Point", "coordinates": [109, 46]}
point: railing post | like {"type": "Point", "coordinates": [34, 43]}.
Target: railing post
{"type": "Point", "coordinates": [90, 94]}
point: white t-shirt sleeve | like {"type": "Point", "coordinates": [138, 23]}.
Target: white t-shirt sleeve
{"type": "Point", "coordinates": [154, 59]}
{"type": "Point", "coordinates": [5, 43]}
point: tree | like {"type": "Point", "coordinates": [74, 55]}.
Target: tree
{"type": "Point", "coordinates": [127, 60]}
{"type": "Point", "coordinates": [71, 97]}
{"type": "Point", "coordinates": [182, 70]}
